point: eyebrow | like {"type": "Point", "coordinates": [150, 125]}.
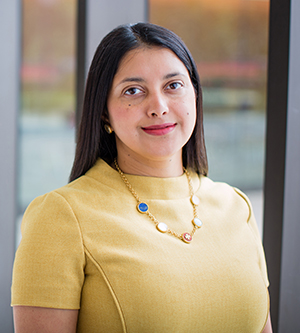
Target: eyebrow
{"type": "Point", "coordinates": [169, 76]}
{"type": "Point", "coordinates": [139, 79]}
{"type": "Point", "coordinates": [132, 79]}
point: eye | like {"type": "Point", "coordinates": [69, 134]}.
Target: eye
{"type": "Point", "coordinates": [132, 91]}
{"type": "Point", "coordinates": [174, 85]}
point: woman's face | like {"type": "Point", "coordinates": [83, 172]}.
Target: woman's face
{"type": "Point", "coordinates": [151, 105]}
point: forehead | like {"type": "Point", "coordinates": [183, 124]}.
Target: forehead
{"type": "Point", "coordinates": [150, 60]}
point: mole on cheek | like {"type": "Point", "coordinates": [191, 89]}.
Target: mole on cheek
{"type": "Point", "coordinates": [129, 104]}
{"type": "Point", "coordinates": [188, 114]}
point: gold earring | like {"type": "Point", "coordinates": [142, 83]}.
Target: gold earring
{"type": "Point", "coordinates": [108, 129]}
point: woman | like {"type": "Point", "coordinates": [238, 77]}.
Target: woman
{"type": "Point", "coordinates": [122, 248]}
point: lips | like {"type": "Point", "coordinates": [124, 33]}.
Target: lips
{"type": "Point", "coordinates": [162, 129]}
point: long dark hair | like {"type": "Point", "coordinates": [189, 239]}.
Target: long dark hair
{"type": "Point", "coordinates": [93, 141]}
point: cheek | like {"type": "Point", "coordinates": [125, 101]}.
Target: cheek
{"type": "Point", "coordinates": [117, 114]}
{"type": "Point", "coordinates": [190, 111]}
{"type": "Point", "coordinates": [191, 116]}
{"type": "Point", "coordinates": [122, 118]}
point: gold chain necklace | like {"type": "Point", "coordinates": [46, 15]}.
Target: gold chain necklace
{"type": "Point", "coordinates": [143, 208]}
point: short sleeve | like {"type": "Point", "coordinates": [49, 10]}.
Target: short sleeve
{"type": "Point", "coordinates": [49, 263]}
{"type": "Point", "coordinates": [253, 226]}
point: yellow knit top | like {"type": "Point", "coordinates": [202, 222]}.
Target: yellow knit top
{"type": "Point", "coordinates": [85, 246]}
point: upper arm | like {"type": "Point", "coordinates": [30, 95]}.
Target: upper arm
{"type": "Point", "coordinates": [50, 261]}
{"type": "Point", "coordinates": [254, 229]}
{"type": "Point", "coordinates": [30, 319]}
{"type": "Point", "coordinates": [268, 326]}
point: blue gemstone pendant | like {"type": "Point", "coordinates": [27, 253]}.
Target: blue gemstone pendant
{"type": "Point", "coordinates": [142, 207]}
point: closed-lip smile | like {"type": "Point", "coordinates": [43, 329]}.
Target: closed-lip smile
{"type": "Point", "coordinates": [160, 129]}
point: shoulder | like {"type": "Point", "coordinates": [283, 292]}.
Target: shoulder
{"type": "Point", "coordinates": [64, 202]}
{"type": "Point", "coordinates": [47, 213]}
{"type": "Point", "coordinates": [55, 200]}
{"type": "Point", "coordinates": [223, 195]}
{"type": "Point", "coordinates": [75, 189]}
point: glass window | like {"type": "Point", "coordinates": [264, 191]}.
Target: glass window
{"type": "Point", "coordinates": [229, 41]}
{"type": "Point", "coordinates": [46, 122]}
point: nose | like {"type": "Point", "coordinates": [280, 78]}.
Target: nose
{"type": "Point", "coordinates": [158, 105]}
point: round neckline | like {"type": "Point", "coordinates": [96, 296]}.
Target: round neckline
{"type": "Point", "coordinates": [145, 186]}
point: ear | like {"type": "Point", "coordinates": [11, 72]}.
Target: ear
{"type": "Point", "coordinates": [104, 117]}
{"type": "Point", "coordinates": [106, 122]}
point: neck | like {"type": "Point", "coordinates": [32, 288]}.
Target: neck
{"type": "Point", "coordinates": [163, 168]}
